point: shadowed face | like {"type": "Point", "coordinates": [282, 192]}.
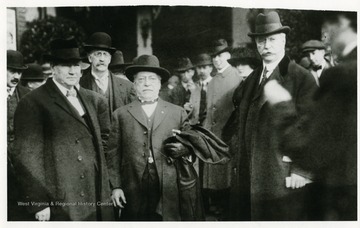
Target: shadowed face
{"type": "Point", "coordinates": [204, 71]}
{"type": "Point", "coordinates": [147, 85]}
{"type": "Point", "coordinates": [13, 77]}
{"type": "Point", "coordinates": [220, 60]}
{"type": "Point", "coordinates": [272, 47]}
{"type": "Point", "coordinates": [67, 74]}
{"type": "Point", "coordinates": [244, 69]}
{"type": "Point", "coordinates": [316, 57]}
{"type": "Point", "coordinates": [186, 76]}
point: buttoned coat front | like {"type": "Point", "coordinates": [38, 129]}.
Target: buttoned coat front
{"type": "Point", "coordinates": [57, 155]}
{"type": "Point", "coordinates": [219, 108]}
{"type": "Point", "coordinates": [259, 163]}
{"type": "Point", "coordinates": [129, 144]}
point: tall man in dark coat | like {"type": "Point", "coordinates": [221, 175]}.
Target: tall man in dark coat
{"type": "Point", "coordinates": [143, 178]}
{"type": "Point", "coordinates": [58, 152]}
{"type": "Point", "coordinates": [265, 184]}
{"type": "Point", "coordinates": [15, 68]}
{"type": "Point", "coordinates": [329, 141]}
{"type": "Point", "coordinates": [98, 78]}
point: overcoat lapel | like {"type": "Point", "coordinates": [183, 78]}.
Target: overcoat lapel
{"type": "Point", "coordinates": [62, 102]}
{"type": "Point", "coordinates": [136, 111]}
{"type": "Point", "coordinates": [160, 113]}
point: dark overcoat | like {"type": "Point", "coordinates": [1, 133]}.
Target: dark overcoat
{"type": "Point", "coordinates": [126, 157]}
{"type": "Point", "coordinates": [122, 90]}
{"type": "Point", "coordinates": [59, 157]}
{"type": "Point", "coordinates": [259, 165]}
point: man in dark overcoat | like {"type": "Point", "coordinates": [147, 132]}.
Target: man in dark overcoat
{"type": "Point", "coordinates": [98, 78]}
{"type": "Point", "coordinates": [143, 177]}
{"type": "Point", "coordinates": [58, 151]}
{"type": "Point", "coordinates": [15, 68]}
{"type": "Point", "coordinates": [266, 184]}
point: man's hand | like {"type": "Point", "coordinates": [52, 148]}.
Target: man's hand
{"type": "Point", "coordinates": [275, 93]}
{"type": "Point", "coordinates": [296, 181]}
{"type": "Point", "coordinates": [188, 106]}
{"type": "Point", "coordinates": [43, 215]}
{"type": "Point", "coordinates": [176, 150]}
{"type": "Point", "coordinates": [118, 197]}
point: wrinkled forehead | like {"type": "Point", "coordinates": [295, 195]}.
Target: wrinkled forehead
{"type": "Point", "coordinates": [146, 74]}
{"type": "Point", "coordinates": [274, 36]}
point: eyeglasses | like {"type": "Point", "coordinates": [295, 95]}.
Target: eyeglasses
{"type": "Point", "coordinates": [151, 79]}
{"type": "Point", "coordinates": [98, 54]}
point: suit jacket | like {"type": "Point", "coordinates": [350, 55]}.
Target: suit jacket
{"type": "Point", "coordinates": [59, 156]}
{"type": "Point", "coordinates": [219, 108]}
{"type": "Point", "coordinates": [128, 150]}
{"type": "Point", "coordinates": [259, 167]}
{"type": "Point", "coordinates": [314, 73]}
{"type": "Point", "coordinates": [179, 96]}
{"type": "Point", "coordinates": [122, 90]}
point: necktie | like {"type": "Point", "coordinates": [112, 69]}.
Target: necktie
{"type": "Point", "coordinates": [316, 68]}
{"type": "Point", "coordinates": [148, 102]}
{"type": "Point", "coordinates": [264, 78]}
{"type": "Point", "coordinates": [202, 102]}
{"type": "Point", "coordinates": [8, 92]}
{"type": "Point", "coordinates": [71, 96]}
{"type": "Point", "coordinates": [101, 84]}
{"type": "Point", "coordinates": [71, 93]}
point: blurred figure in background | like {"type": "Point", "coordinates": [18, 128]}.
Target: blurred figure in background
{"type": "Point", "coordinates": [117, 65]}
{"type": "Point", "coordinates": [315, 51]}
{"type": "Point", "coordinates": [245, 60]}
{"type": "Point", "coordinates": [33, 77]}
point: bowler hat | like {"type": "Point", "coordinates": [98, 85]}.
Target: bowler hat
{"type": "Point", "coordinates": [15, 60]}
{"type": "Point", "coordinates": [34, 72]}
{"type": "Point", "coordinates": [312, 45]}
{"type": "Point", "coordinates": [146, 63]}
{"type": "Point", "coordinates": [99, 41]}
{"type": "Point", "coordinates": [268, 24]}
{"type": "Point", "coordinates": [117, 61]}
{"type": "Point", "coordinates": [244, 55]}
{"type": "Point", "coordinates": [63, 51]}
{"type": "Point", "coordinates": [183, 64]}
{"type": "Point", "coordinates": [219, 46]}
{"type": "Point", "coordinates": [203, 60]}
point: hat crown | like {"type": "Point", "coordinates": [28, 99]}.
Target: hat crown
{"type": "Point", "coordinates": [147, 60]}
{"type": "Point", "coordinates": [203, 59]}
{"type": "Point", "coordinates": [117, 58]}
{"type": "Point", "coordinates": [267, 24]}
{"type": "Point", "coordinates": [34, 71]}
{"type": "Point", "coordinates": [243, 52]}
{"type": "Point", "coordinates": [15, 59]}
{"type": "Point", "coordinates": [64, 50]}
{"type": "Point", "coordinates": [184, 64]}
{"type": "Point", "coordinates": [312, 45]}
{"type": "Point", "coordinates": [219, 46]}
{"type": "Point", "coordinates": [100, 39]}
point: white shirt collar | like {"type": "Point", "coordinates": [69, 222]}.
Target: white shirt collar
{"type": "Point", "coordinates": [12, 90]}
{"type": "Point", "coordinates": [106, 76]}
{"type": "Point", "coordinates": [206, 81]}
{"type": "Point", "coordinates": [62, 88]}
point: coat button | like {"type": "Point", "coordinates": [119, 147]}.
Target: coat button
{"type": "Point", "coordinates": [82, 194]}
{"type": "Point", "coordinates": [144, 144]}
{"type": "Point", "coordinates": [213, 122]}
{"type": "Point", "coordinates": [80, 158]}
{"type": "Point", "coordinates": [82, 176]}
{"type": "Point", "coordinates": [145, 132]}
{"type": "Point", "coordinates": [77, 141]}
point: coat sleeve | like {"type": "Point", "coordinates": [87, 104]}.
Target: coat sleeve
{"type": "Point", "coordinates": [113, 154]}
{"type": "Point", "coordinates": [28, 154]}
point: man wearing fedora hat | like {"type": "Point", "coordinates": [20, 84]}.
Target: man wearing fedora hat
{"type": "Point", "coordinates": [98, 78]}
{"type": "Point", "coordinates": [33, 77]}
{"type": "Point", "coordinates": [58, 150]}
{"type": "Point", "coordinates": [267, 184]}
{"type": "Point", "coordinates": [142, 176]}
{"type": "Point", "coordinates": [315, 51]}
{"type": "Point", "coordinates": [216, 178]}
{"type": "Point", "coordinates": [180, 95]}
{"type": "Point", "coordinates": [197, 104]}
{"type": "Point", "coordinates": [117, 65]}
{"type": "Point", "coordinates": [15, 67]}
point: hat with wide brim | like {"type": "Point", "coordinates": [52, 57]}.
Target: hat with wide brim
{"type": "Point", "coordinates": [219, 46]}
{"type": "Point", "coordinates": [268, 24]}
{"type": "Point", "coordinates": [183, 64]}
{"type": "Point", "coordinates": [312, 45]}
{"type": "Point", "coordinates": [244, 55]}
{"type": "Point", "coordinates": [117, 61]}
{"type": "Point", "coordinates": [146, 63]}
{"type": "Point", "coordinates": [15, 60]}
{"type": "Point", "coordinates": [63, 51]}
{"type": "Point", "coordinates": [99, 41]}
{"type": "Point", "coordinates": [34, 72]}
{"type": "Point", "coordinates": [203, 60]}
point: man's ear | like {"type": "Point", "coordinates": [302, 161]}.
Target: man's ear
{"type": "Point", "coordinates": [89, 58]}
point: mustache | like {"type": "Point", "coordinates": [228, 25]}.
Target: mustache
{"type": "Point", "coordinates": [15, 80]}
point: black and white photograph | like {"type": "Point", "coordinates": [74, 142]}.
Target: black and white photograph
{"type": "Point", "coordinates": [153, 112]}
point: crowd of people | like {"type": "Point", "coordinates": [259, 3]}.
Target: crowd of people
{"type": "Point", "coordinates": [237, 134]}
